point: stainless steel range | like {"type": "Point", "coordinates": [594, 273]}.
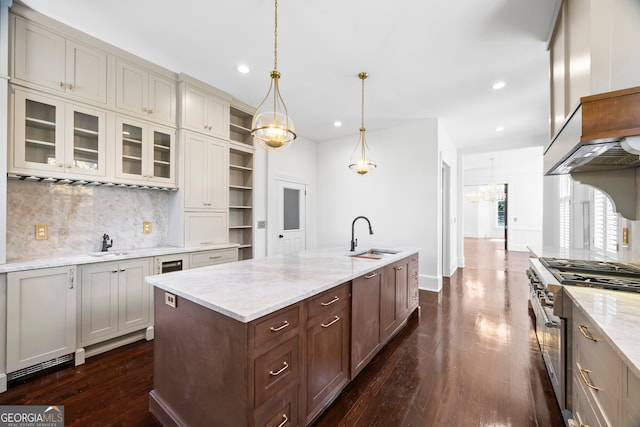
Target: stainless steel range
{"type": "Point", "coordinates": [547, 278]}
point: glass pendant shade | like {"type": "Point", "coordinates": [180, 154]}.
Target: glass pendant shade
{"type": "Point", "coordinates": [271, 125]}
{"type": "Point", "coordinates": [361, 162]}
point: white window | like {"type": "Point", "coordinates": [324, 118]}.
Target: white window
{"type": "Point", "coordinates": [605, 224]}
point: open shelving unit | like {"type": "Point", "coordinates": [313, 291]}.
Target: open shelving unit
{"type": "Point", "coordinates": [241, 181]}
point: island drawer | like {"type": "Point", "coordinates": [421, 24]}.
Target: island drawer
{"type": "Point", "coordinates": [276, 325]}
{"type": "Point", "coordinates": [280, 410]}
{"type": "Point", "coordinates": [276, 369]}
{"type": "Point", "coordinates": [328, 300]}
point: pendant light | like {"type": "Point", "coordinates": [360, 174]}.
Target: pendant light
{"type": "Point", "coordinates": [271, 125]}
{"type": "Point", "coordinates": [361, 162]}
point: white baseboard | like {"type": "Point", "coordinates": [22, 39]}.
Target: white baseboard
{"type": "Point", "coordinates": [430, 283]}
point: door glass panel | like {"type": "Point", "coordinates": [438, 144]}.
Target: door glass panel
{"type": "Point", "coordinates": [291, 209]}
{"type": "Point", "coordinates": [161, 155]}
{"type": "Point", "coordinates": [40, 129]}
{"type": "Point", "coordinates": [85, 141]}
{"type": "Point", "coordinates": [131, 149]}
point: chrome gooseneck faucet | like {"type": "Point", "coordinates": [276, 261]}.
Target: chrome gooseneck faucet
{"type": "Point", "coordinates": [354, 242]}
{"type": "Point", "coordinates": [105, 242]}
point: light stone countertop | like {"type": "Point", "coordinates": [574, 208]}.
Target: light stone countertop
{"type": "Point", "coordinates": [617, 315]}
{"type": "Point", "coordinates": [111, 255]}
{"type": "Point", "coordinates": [247, 290]}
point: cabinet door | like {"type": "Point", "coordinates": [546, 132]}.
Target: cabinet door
{"type": "Point", "coordinates": [205, 228]}
{"type": "Point", "coordinates": [132, 88]}
{"type": "Point", "coordinates": [39, 133]}
{"type": "Point", "coordinates": [41, 316]}
{"type": "Point", "coordinates": [195, 171]}
{"type": "Point", "coordinates": [403, 292]}
{"type": "Point", "coordinates": [130, 149]}
{"type": "Point", "coordinates": [85, 147]}
{"type": "Point", "coordinates": [38, 56]}
{"type": "Point", "coordinates": [161, 166]}
{"type": "Point", "coordinates": [134, 295]}
{"type": "Point", "coordinates": [218, 117]}
{"type": "Point", "coordinates": [86, 72]}
{"type": "Point", "coordinates": [388, 303]}
{"type": "Point", "coordinates": [327, 358]}
{"type": "Point", "coordinates": [414, 291]}
{"type": "Point", "coordinates": [194, 114]}
{"type": "Point", "coordinates": [98, 302]}
{"type": "Point", "coordinates": [218, 174]}
{"type": "Point", "coordinates": [162, 99]}
{"type": "Point", "coordinates": [365, 320]}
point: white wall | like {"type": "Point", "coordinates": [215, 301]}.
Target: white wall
{"type": "Point", "coordinates": [480, 219]}
{"type": "Point", "coordinates": [401, 197]}
{"type": "Point", "coordinates": [521, 169]}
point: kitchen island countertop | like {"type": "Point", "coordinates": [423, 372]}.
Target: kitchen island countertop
{"type": "Point", "coordinates": [247, 290]}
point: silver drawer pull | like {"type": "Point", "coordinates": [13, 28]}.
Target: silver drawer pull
{"type": "Point", "coordinates": [335, 319]}
{"type": "Point", "coordinates": [371, 276]}
{"type": "Point", "coordinates": [215, 257]}
{"type": "Point", "coordinates": [285, 420]}
{"type": "Point", "coordinates": [587, 335]}
{"type": "Point", "coordinates": [285, 365]}
{"type": "Point", "coordinates": [279, 328]}
{"type": "Point", "coordinates": [583, 374]}
{"type": "Point", "coordinates": [397, 268]}
{"type": "Point", "coordinates": [334, 300]}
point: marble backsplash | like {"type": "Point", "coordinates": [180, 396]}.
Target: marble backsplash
{"type": "Point", "coordinates": [77, 217]}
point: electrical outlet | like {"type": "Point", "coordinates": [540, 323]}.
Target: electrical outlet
{"type": "Point", "coordinates": [170, 299]}
{"type": "Point", "coordinates": [146, 227]}
{"type": "Point", "coordinates": [42, 232]}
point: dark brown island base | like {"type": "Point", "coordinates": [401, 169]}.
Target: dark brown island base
{"type": "Point", "coordinates": [214, 366]}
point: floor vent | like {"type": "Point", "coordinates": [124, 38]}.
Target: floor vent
{"type": "Point", "coordinates": [22, 373]}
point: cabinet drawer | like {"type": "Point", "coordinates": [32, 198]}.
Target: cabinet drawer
{"type": "Point", "coordinates": [327, 301]}
{"type": "Point", "coordinates": [213, 257]}
{"type": "Point", "coordinates": [632, 400]}
{"type": "Point", "coordinates": [275, 370]}
{"type": "Point", "coordinates": [281, 410]}
{"type": "Point", "coordinates": [585, 410]}
{"type": "Point", "coordinates": [276, 326]}
{"type": "Point", "coordinates": [597, 367]}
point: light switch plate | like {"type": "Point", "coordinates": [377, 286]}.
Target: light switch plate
{"type": "Point", "coordinates": [146, 227]}
{"type": "Point", "coordinates": [42, 232]}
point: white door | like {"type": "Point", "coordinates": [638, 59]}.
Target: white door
{"type": "Point", "coordinates": [291, 217]}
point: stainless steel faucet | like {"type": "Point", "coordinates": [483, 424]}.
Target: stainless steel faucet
{"type": "Point", "coordinates": [354, 242]}
{"type": "Point", "coordinates": [105, 242]}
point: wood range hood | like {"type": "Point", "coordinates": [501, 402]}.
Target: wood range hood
{"type": "Point", "coordinates": [599, 145]}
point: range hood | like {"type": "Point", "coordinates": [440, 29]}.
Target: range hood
{"type": "Point", "coordinates": [602, 134]}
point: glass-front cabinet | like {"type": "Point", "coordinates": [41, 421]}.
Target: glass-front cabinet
{"type": "Point", "coordinates": [145, 153]}
{"type": "Point", "coordinates": [56, 137]}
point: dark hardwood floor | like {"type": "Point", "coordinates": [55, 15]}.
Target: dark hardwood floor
{"type": "Point", "coordinates": [472, 360]}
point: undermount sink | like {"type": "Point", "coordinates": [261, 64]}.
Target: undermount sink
{"type": "Point", "coordinates": [374, 254]}
{"type": "Point", "coordinates": [102, 254]}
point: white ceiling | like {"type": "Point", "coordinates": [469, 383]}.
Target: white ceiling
{"type": "Point", "coordinates": [425, 58]}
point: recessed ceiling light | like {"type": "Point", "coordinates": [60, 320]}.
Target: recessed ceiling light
{"type": "Point", "coordinates": [337, 123]}
{"type": "Point", "coordinates": [243, 69]}
{"type": "Point", "coordinates": [499, 128]}
{"type": "Point", "coordinates": [498, 85]}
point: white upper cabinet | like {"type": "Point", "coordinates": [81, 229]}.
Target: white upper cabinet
{"type": "Point", "coordinates": [57, 137]}
{"type": "Point", "coordinates": [204, 112]}
{"type": "Point", "coordinates": [206, 172]}
{"type": "Point", "coordinates": [43, 58]}
{"type": "Point", "coordinates": [144, 93]}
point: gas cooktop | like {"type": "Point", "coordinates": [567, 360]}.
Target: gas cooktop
{"type": "Point", "coordinates": [594, 274]}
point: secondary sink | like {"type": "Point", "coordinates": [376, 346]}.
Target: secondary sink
{"type": "Point", "coordinates": [374, 254]}
{"type": "Point", "coordinates": [103, 254]}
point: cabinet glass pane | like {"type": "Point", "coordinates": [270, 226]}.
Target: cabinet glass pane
{"type": "Point", "coordinates": [85, 141]}
{"type": "Point", "coordinates": [161, 155]}
{"type": "Point", "coordinates": [40, 133]}
{"type": "Point", "coordinates": [131, 149]}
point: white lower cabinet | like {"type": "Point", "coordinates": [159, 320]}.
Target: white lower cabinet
{"type": "Point", "coordinates": [41, 316]}
{"type": "Point", "coordinates": [213, 257]}
{"type": "Point", "coordinates": [205, 228]}
{"type": "Point", "coordinates": [631, 404]}
{"type": "Point", "coordinates": [114, 300]}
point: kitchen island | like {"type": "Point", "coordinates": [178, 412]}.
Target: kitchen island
{"type": "Point", "coordinates": [273, 341]}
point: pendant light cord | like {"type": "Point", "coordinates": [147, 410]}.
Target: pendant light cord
{"type": "Point", "coordinates": [275, 37]}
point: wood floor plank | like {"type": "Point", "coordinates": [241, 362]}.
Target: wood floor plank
{"type": "Point", "coordinates": [472, 360]}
